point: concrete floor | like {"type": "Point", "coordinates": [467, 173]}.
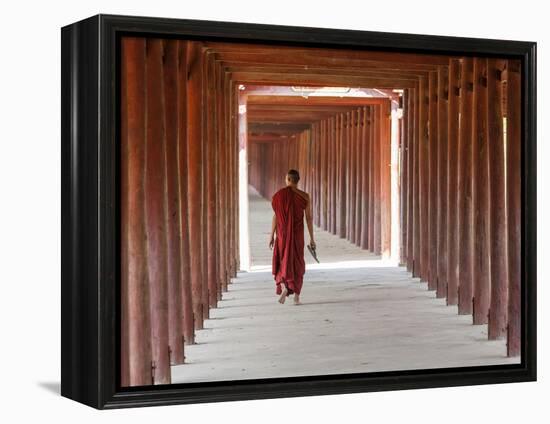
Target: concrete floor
{"type": "Point", "coordinates": [359, 314]}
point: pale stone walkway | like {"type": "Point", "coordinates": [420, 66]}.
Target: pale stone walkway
{"type": "Point", "coordinates": [358, 315]}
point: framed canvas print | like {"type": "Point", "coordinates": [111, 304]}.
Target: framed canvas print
{"type": "Point", "coordinates": [257, 211]}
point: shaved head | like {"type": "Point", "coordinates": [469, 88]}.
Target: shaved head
{"type": "Point", "coordinates": [293, 176]}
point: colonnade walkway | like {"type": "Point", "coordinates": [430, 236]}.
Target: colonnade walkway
{"type": "Point", "coordinates": [358, 314]}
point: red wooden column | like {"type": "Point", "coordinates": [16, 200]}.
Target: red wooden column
{"type": "Point", "coordinates": [325, 186]}
{"type": "Point", "coordinates": [328, 175]}
{"type": "Point", "coordinates": [407, 178]}
{"type": "Point", "coordinates": [442, 172]}
{"type": "Point", "coordinates": [372, 164]}
{"type": "Point", "coordinates": [316, 173]}
{"type": "Point", "coordinates": [465, 212]}
{"type": "Point", "coordinates": [352, 164]}
{"type": "Point", "coordinates": [224, 136]}
{"type": "Point", "coordinates": [377, 159]}
{"type": "Point", "coordinates": [185, 273]}
{"type": "Point", "coordinates": [480, 198]}
{"type": "Point", "coordinates": [403, 180]}
{"type": "Point", "coordinates": [312, 164]}
{"type": "Point", "coordinates": [233, 149]}
{"type": "Point", "coordinates": [423, 178]}
{"type": "Point", "coordinates": [358, 174]}
{"type": "Point", "coordinates": [498, 228]}
{"type": "Point", "coordinates": [319, 174]}
{"type": "Point", "coordinates": [413, 238]}
{"type": "Point", "coordinates": [333, 170]}
{"type": "Point", "coordinates": [365, 179]}
{"type": "Point", "coordinates": [342, 177]}
{"type": "Point", "coordinates": [172, 211]}
{"type": "Point", "coordinates": [513, 189]}
{"type": "Point", "coordinates": [328, 172]}
{"type": "Point", "coordinates": [220, 180]}
{"type": "Point", "coordinates": [385, 179]}
{"type": "Point", "coordinates": [233, 205]}
{"type": "Point", "coordinates": [231, 137]}
{"type": "Point", "coordinates": [204, 192]}
{"type": "Point", "coordinates": [348, 167]}
{"type": "Point", "coordinates": [452, 182]}
{"type": "Point", "coordinates": [194, 164]}
{"type": "Point", "coordinates": [136, 355]}
{"type": "Point", "coordinates": [211, 186]}
{"type": "Point", "coordinates": [155, 209]}
{"type": "Point", "coordinates": [433, 147]}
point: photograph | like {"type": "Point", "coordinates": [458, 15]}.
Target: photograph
{"type": "Point", "coordinates": [259, 212]}
{"type": "Point", "coordinates": [293, 210]}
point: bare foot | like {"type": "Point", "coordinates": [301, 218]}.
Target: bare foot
{"type": "Point", "coordinates": [297, 300]}
{"type": "Point", "coordinates": [282, 297]}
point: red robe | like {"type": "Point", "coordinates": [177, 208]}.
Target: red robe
{"type": "Point", "coordinates": [288, 265]}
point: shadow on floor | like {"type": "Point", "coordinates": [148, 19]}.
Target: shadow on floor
{"type": "Point", "coordinates": [51, 386]}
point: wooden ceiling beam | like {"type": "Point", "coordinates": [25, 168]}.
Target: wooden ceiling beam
{"type": "Point", "coordinates": [253, 100]}
{"type": "Point", "coordinates": [327, 71]}
{"type": "Point", "coordinates": [323, 62]}
{"type": "Point", "coordinates": [315, 80]}
{"type": "Point", "coordinates": [277, 127]}
{"type": "Point", "coordinates": [330, 52]}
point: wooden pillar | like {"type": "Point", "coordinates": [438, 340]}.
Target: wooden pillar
{"type": "Point", "coordinates": [231, 139]}
{"type": "Point", "coordinates": [333, 169]}
{"type": "Point", "coordinates": [452, 182]}
{"type": "Point", "coordinates": [385, 179]}
{"type": "Point", "coordinates": [465, 214]}
{"type": "Point", "coordinates": [433, 147]}
{"type": "Point", "coordinates": [377, 161]}
{"type": "Point", "coordinates": [349, 175]}
{"type": "Point", "coordinates": [423, 180]}
{"type": "Point", "coordinates": [480, 198]}
{"type": "Point", "coordinates": [234, 194]}
{"type": "Point", "coordinates": [513, 190]}
{"type": "Point", "coordinates": [211, 191]}
{"type": "Point", "coordinates": [205, 286]}
{"type": "Point", "coordinates": [342, 178]}
{"type": "Point", "coordinates": [136, 355]}
{"type": "Point", "coordinates": [412, 227]}
{"type": "Point", "coordinates": [172, 211]}
{"type": "Point", "coordinates": [404, 180]}
{"type": "Point", "coordinates": [359, 140]}
{"type": "Point", "coordinates": [319, 174]}
{"type": "Point", "coordinates": [155, 209]}
{"type": "Point", "coordinates": [224, 181]}
{"type": "Point", "coordinates": [323, 189]}
{"type": "Point", "coordinates": [220, 180]}
{"type": "Point", "coordinates": [365, 180]}
{"type": "Point", "coordinates": [187, 300]}
{"type": "Point", "coordinates": [442, 172]}
{"type": "Point", "coordinates": [352, 165]}
{"type": "Point", "coordinates": [372, 160]}
{"type": "Point", "coordinates": [194, 163]}
{"type": "Point", "coordinates": [328, 173]}
{"type": "Point", "coordinates": [497, 223]}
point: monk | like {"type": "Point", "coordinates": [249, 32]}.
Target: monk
{"type": "Point", "coordinates": [287, 237]}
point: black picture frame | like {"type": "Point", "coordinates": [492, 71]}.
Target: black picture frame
{"type": "Point", "coordinates": [90, 219]}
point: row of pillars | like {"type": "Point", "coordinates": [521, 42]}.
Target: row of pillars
{"type": "Point", "coordinates": [344, 164]}
{"type": "Point", "coordinates": [179, 205]}
{"type": "Point", "coordinates": [460, 190]}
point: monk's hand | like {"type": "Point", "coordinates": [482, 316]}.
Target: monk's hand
{"type": "Point", "coordinates": [312, 244]}
{"type": "Point", "coordinates": [271, 242]}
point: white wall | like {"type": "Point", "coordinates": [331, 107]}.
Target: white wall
{"type": "Point", "coordinates": [30, 193]}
